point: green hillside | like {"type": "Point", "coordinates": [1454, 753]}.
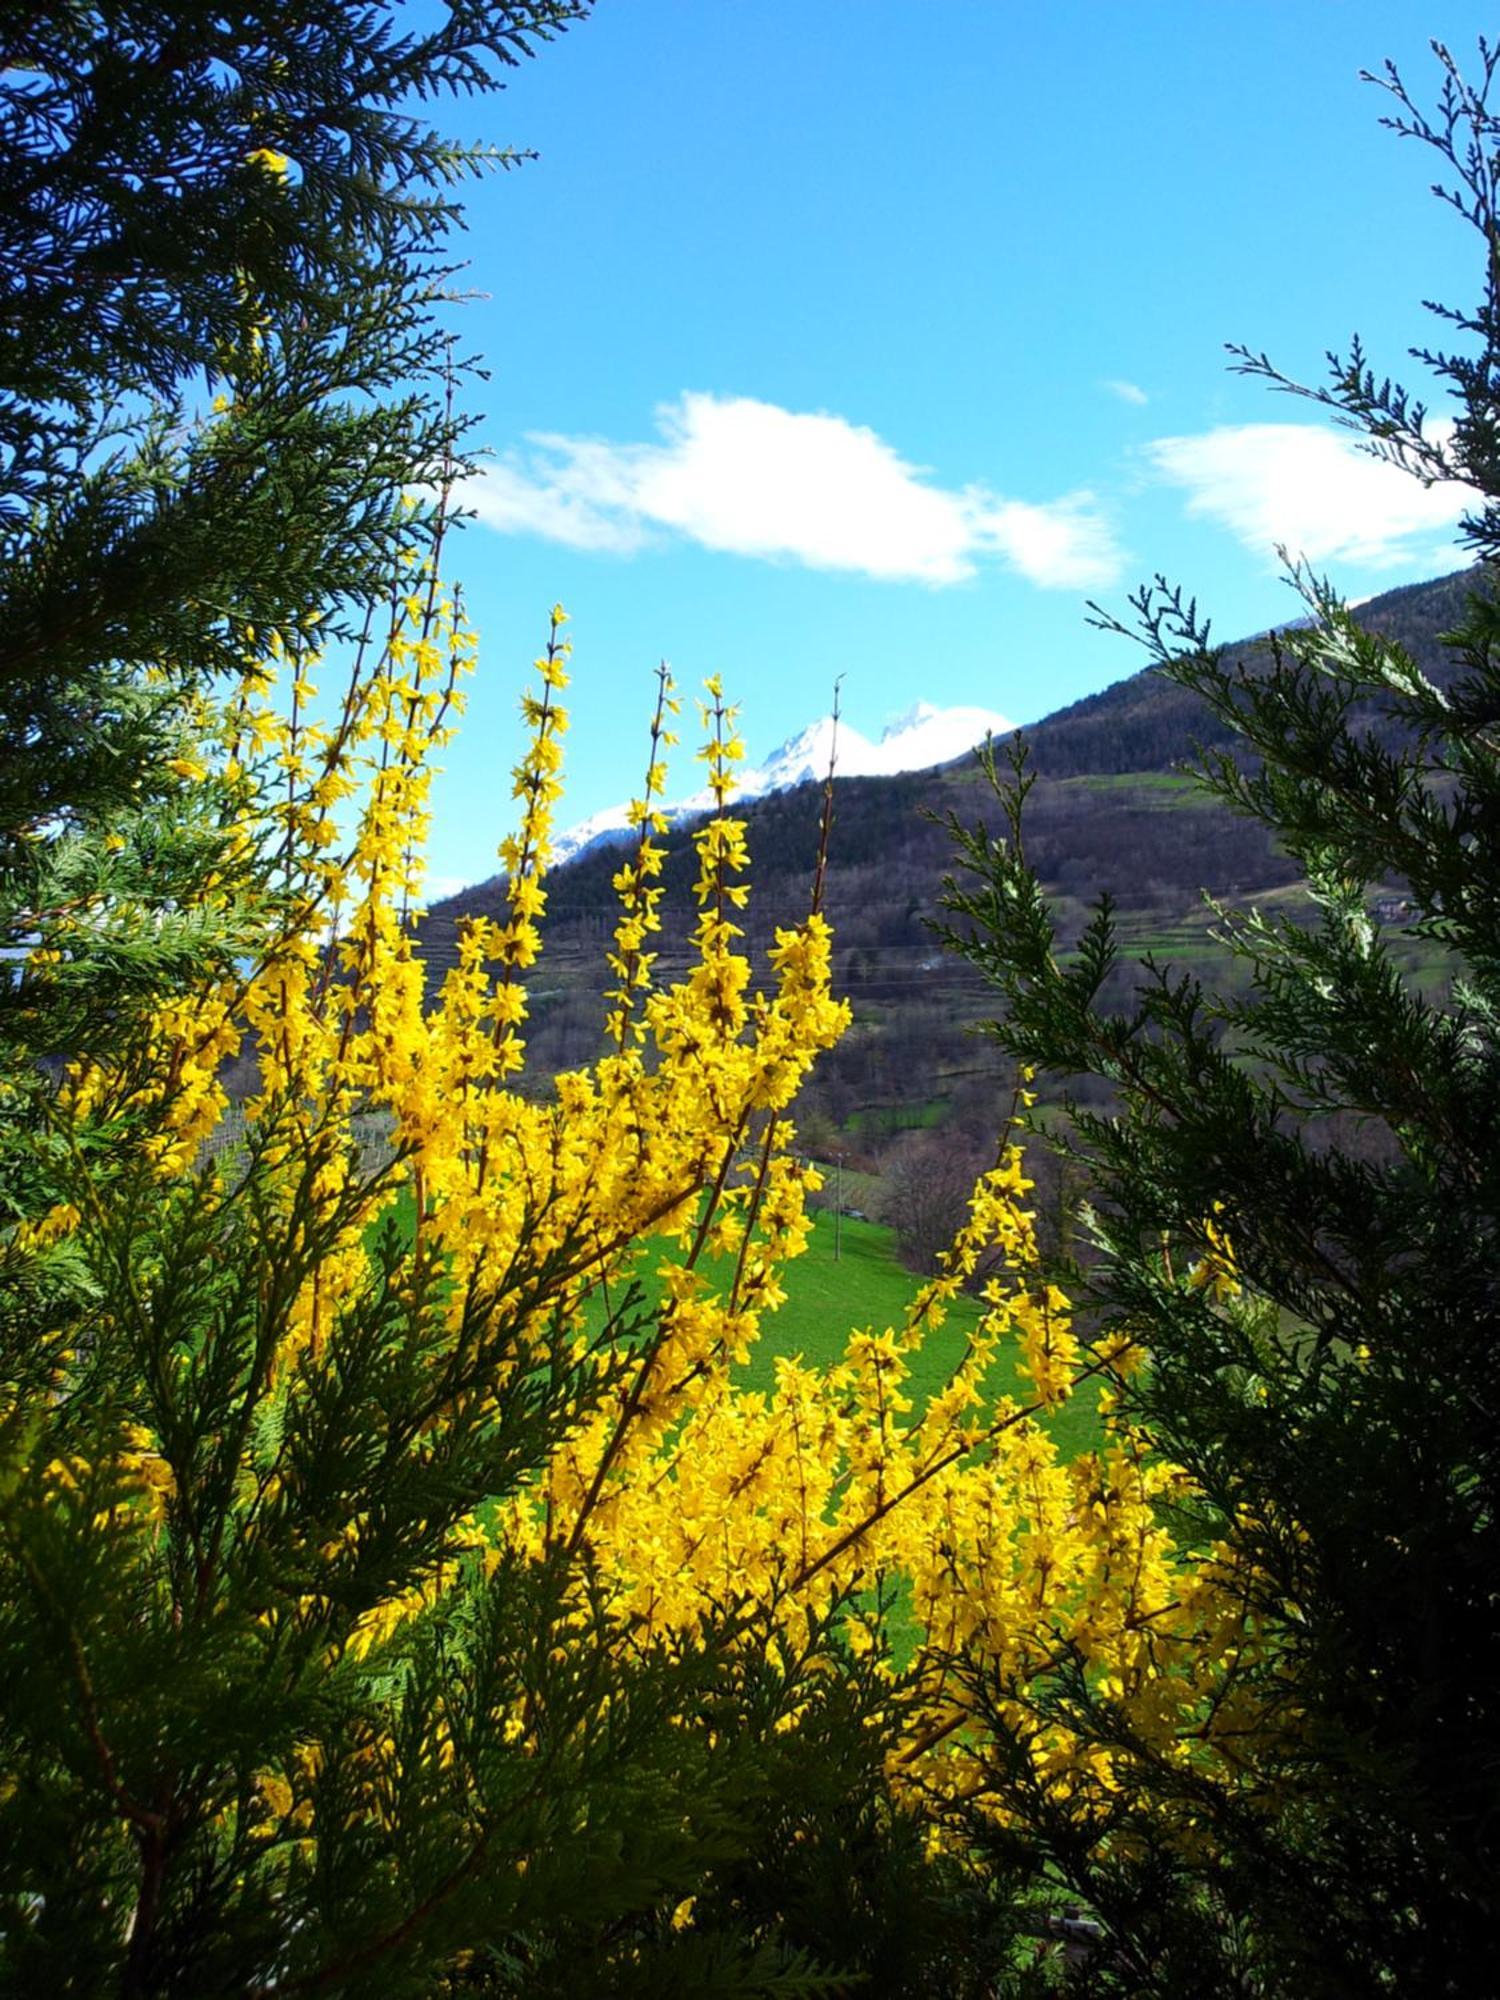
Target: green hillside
{"type": "Point", "coordinates": [1112, 810]}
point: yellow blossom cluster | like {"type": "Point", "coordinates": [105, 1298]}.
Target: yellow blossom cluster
{"type": "Point", "coordinates": [638, 1217]}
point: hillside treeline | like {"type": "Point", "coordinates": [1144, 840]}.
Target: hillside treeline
{"type": "Point", "coordinates": [1113, 811]}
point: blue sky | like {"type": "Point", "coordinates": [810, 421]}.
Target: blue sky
{"type": "Point", "coordinates": [864, 339]}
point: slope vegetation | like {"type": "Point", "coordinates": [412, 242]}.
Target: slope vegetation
{"type": "Point", "coordinates": [1113, 810]}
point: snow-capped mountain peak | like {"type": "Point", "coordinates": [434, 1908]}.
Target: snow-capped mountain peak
{"type": "Point", "coordinates": [803, 756]}
{"type": "Point", "coordinates": [919, 713]}
{"type": "Point", "coordinates": [923, 736]}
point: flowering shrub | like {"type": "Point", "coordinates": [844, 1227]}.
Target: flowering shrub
{"type": "Point", "coordinates": [378, 1536]}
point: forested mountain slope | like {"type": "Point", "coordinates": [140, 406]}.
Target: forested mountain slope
{"type": "Point", "coordinates": [1146, 723]}
{"type": "Point", "coordinates": [1112, 810]}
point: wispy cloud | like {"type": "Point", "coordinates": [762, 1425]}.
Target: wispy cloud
{"type": "Point", "coordinates": [1313, 490]}
{"type": "Point", "coordinates": [753, 479]}
{"type": "Point", "coordinates": [1128, 392]}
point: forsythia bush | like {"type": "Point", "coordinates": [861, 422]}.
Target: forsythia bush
{"type": "Point", "coordinates": [399, 1584]}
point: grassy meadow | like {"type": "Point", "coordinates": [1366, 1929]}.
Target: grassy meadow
{"type": "Point", "coordinates": [866, 1287]}
{"type": "Point", "coordinates": [850, 1279]}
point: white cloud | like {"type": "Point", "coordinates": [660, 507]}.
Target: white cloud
{"type": "Point", "coordinates": [1313, 490]}
{"type": "Point", "coordinates": [1128, 392]}
{"type": "Point", "coordinates": [752, 479]}
{"type": "Point", "coordinates": [563, 505]}
{"type": "Point", "coordinates": [1063, 545]}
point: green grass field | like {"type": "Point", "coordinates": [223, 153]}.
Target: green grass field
{"type": "Point", "coordinates": [1158, 790]}
{"type": "Point", "coordinates": [888, 1118]}
{"type": "Point", "coordinates": [866, 1286]}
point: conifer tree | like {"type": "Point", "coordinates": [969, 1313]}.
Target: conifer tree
{"type": "Point", "coordinates": [1296, 1208]}
{"type": "Point", "coordinates": [222, 359]}
{"type": "Point", "coordinates": [223, 368]}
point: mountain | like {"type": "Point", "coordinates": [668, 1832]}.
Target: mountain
{"type": "Point", "coordinates": [1112, 809]}
{"type": "Point", "coordinates": [915, 741]}
{"type": "Point", "coordinates": [1148, 723]}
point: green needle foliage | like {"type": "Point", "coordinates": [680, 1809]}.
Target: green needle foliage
{"type": "Point", "coordinates": [540, 1807]}
{"type": "Point", "coordinates": [223, 368]}
{"type": "Point", "coordinates": [1296, 1207]}
{"type": "Point", "coordinates": [243, 209]}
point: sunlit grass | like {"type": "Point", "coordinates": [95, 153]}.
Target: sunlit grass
{"type": "Point", "coordinates": [847, 1280]}
{"type": "Point", "coordinates": [864, 1285]}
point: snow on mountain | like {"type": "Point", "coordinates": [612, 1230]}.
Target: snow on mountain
{"type": "Point", "coordinates": [920, 738]}
{"type": "Point", "coordinates": [926, 735]}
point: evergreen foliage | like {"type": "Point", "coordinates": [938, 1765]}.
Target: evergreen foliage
{"type": "Point", "coordinates": [1297, 1210]}
{"type": "Point", "coordinates": [223, 367]}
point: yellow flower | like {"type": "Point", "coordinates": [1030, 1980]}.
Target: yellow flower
{"type": "Point", "coordinates": [667, 1170]}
